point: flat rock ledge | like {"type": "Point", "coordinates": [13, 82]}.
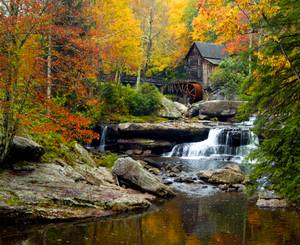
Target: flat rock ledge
{"type": "Point", "coordinates": [32, 192]}
{"type": "Point", "coordinates": [166, 131]}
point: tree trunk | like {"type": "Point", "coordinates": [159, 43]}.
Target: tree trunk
{"type": "Point", "coordinates": [250, 54]}
{"type": "Point", "coordinates": [149, 41]}
{"type": "Point", "coordinates": [138, 79]}
{"type": "Point", "coordinates": [49, 67]}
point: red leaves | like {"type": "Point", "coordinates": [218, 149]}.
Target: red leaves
{"type": "Point", "coordinates": [58, 119]}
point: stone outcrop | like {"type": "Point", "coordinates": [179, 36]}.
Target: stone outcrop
{"type": "Point", "coordinates": [221, 109]}
{"type": "Point", "coordinates": [132, 173]}
{"type": "Point", "coordinates": [84, 155]}
{"type": "Point", "coordinates": [171, 110]}
{"type": "Point", "coordinates": [167, 131]}
{"type": "Point", "coordinates": [268, 199]}
{"type": "Point", "coordinates": [25, 149]}
{"type": "Point", "coordinates": [230, 174]}
{"type": "Point", "coordinates": [58, 191]}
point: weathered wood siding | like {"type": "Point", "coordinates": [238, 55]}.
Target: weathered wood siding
{"type": "Point", "coordinates": [194, 65]}
{"type": "Point", "coordinates": [208, 68]}
{"type": "Point", "coordinates": [197, 67]}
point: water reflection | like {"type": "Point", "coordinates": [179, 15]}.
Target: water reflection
{"type": "Point", "coordinates": [222, 218]}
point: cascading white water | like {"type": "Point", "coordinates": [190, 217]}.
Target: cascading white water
{"type": "Point", "coordinates": [101, 147]}
{"type": "Point", "coordinates": [223, 143]}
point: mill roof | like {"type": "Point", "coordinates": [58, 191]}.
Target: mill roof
{"type": "Point", "coordinates": [211, 50]}
{"type": "Point", "coordinates": [213, 53]}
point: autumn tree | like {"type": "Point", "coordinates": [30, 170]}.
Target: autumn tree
{"type": "Point", "coordinates": [73, 59]}
{"type": "Point", "coordinates": [20, 23]}
{"type": "Point", "coordinates": [117, 35]}
{"type": "Point", "coordinates": [25, 28]}
{"type": "Point", "coordinates": [165, 33]}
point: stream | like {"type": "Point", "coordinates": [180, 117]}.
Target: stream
{"type": "Point", "coordinates": [220, 218]}
{"type": "Point", "coordinates": [197, 215]}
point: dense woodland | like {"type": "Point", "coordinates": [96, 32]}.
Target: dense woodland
{"type": "Point", "coordinates": [61, 63]}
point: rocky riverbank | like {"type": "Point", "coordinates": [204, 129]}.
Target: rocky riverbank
{"type": "Point", "coordinates": [57, 190]}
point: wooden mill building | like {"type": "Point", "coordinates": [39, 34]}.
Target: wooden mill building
{"type": "Point", "coordinates": [202, 59]}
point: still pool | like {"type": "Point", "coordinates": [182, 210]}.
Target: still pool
{"type": "Point", "coordinates": [219, 218]}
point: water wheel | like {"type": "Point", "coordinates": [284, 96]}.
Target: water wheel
{"type": "Point", "coordinates": [193, 91]}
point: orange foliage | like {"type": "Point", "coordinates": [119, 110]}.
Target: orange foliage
{"type": "Point", "coordinates": [61, 120]}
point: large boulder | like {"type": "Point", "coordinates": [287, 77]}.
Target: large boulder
{"type": "Point", "coordinates": [169, 131]}
{"type": "Point", "coordinates": [229, 174]}
{"type": "Point", "coordinates": [133, 174]}
{"type": "Point", "coordinates": [24, 149]}
{"type": "Point", "coordinates": [171, 110]}
{"type": "Point", "coordinates": [221, 109]}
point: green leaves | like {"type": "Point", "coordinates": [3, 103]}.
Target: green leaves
{"type": "Point", "coordinates": [228, 77]}
{"type": "Point", "coordinates": [275, 96]}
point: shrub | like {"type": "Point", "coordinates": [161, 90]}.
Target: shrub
{"type": "Point", "coordinates": [126, 100]}
{"type": "Point", "coordinates": [145, 100]}
{"type": "Point", "coordinates": [108, 160]}
{"type": "Point", "coordinates": [228, 76]}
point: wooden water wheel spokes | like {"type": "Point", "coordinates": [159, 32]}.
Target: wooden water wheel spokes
{"type": "Point", "coordinates": [188, 89]}
{"type": "Point", "coordinates": [194, 91]}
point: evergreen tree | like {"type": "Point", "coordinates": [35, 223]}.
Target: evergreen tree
{"type": "Point", "coordinates": [275, 96]}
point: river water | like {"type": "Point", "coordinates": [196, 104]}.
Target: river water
{"type": "Point", "coordinates": [220, 218]}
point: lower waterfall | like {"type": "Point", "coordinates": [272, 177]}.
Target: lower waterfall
{"type": "Point", "coordinates": [223, 143]}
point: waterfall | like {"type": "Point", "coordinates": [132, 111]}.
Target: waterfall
{"type": "Point", "coordinates": [102, 144]}
{"type": "Point", "coordinates": [223, 143]}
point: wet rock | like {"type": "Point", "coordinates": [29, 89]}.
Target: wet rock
{"type": "Point", "coordinates": [205, 174]}
{"type": "Point", "coordinates": [268, 199]}
{"type": "Point", "coordinates": [168, 181]}
{"type": "Point", "coordinates": [233, 166]}
{"type": "Point", "coordinates": [223, 187]}
{"type": "Point", "coordinates": [239, 187]}
{"type": "Point", "coordinates": [175, 169]}
{"type": "Point", "coordinates": [221, 109]}
{"type": "Point", "coordinates": [271, 203]}
{"type": "Point", "coordinates": [133, 173]}
{"type": "Point", "coordinates": [25, 149]}
{"type": "Point", "coordinates": [268, 195]}
{"type": "Point", "coordinates": [231, 189]}
{"type": "Point", "coordinates": [171, 110]}
{"type": "Point", "coordinates": [185, 179]}
{"type": "Point", "coordinates": [170, 174]}
{"type": "Point", "coordinates": [222, 176]}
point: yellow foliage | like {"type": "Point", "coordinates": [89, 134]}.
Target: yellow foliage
{"type": "Point", "coordinates": [229, 19]}
{"type": "Point", "coordinates": [117, 33]}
